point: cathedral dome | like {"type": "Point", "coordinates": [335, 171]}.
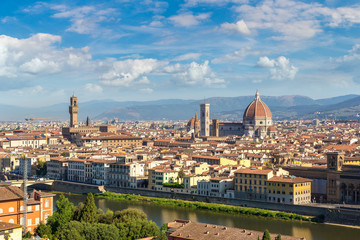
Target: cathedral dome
{"type": "Point", "coordinates": [257, 109]}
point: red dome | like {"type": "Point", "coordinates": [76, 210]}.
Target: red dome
{"type": "Point", "coordinates": [257, 108]}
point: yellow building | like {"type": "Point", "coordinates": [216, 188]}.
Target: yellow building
{"type": "Point", "coordinates": [251, 183]}
{"type": "Point", "coordinates": [11, 230]}
{"type": "Point", "coordinates": [289, 189]}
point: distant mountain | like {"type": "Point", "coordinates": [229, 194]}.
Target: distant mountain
{"type": "Point", "coordinates": [232, 108]}
{"type": "Point", "coordinates": [224, 108]}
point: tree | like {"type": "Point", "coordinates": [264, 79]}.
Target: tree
{"type": "Point", "coordinates": [63, 214]}
{"type": "Point", "coordinates": [181, 174]}
{"type": "Point", "coordinates": [77, 212]}
{"type": "Point", "coordinates": [278, 237]}
{"type": "Point", "coordinates": [72, 231]}
{"type": "Point", "coordinates": [266, 235]}
{"type": "Point", "coordinates": [135, 229]}
{"type": "Point", "coordinates": [106, 217]}
{"type": "Point", "coordinates": [41, 168]}
{"type": "Point", "coordinates": [43, 230]}
{"type": "Point", "coordinates": [129, 214]}
{"type": "Point", "coordinates": [89, 212]}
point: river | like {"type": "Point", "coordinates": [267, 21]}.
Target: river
{"type": "Point", "coordinates": [161, 214]}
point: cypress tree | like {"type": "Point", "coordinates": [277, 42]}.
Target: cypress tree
{"type": "Point", "coordinates": [89, 211]}
{"type": "Point", "coordinates": [278, 237]}
{"type": "Point", "coordinates": [266, 235]}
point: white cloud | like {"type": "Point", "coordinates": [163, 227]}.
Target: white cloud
{"type": "Point", "coordinates": [8, 19]}
{"type": "Point", "coordinates": [35, 90]}
{"type": "Point", "coordinates": [280, 68]}
{"type": "Point", "coordinates": [214, 2]}
{"type": "Point", "coordinates": [84, 19]}
{"type": "Point", "coordinates": [295, 20]}
{"type": "Point", "coordinates": [266, 62]}
{"type": "Point", "coordinates": [200, 74]}
{"type": "Point", "coordinates": [354, 54]}
{"type": "Point", "coordinates": [125, 73]}
{"type": "Point", "coordinates": [38, 55]}
{"type": "Point", "coordinates": [236, 56]}
{"type": "Point", "coordinates": [93, 88]}
{"type": "Point", "coordinates": [187, 56]}
{"type": "Point", "coordinates": [146, 90]}
{"type": "Point", "coordinates": [188, 19]}
{"type": "Point", "coordinates": [238, 27]}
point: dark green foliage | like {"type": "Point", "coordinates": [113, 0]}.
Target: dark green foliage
{"type": "Point", "coordinates": [173, 185]}
{"type": "Point", "coordinates": [107, 217]}
{"type": "Point", "coordinates": [77, 212]}
{"type": "Point", "coordinates": [266, 235]}
{"type": "Point", "coordinates": [278, 237]}
{"type": "Point", "coordinates": [41, 168]}
{"type": "Point", "coordinates": [181, 173]}
{"type": "Point", "coordinates": [63, 214]}
{"type": "Point", "coordinates": [134, 229]}
{"type": "Point", "coordinates": [89, 212]}
{"type": "Point", "coordinates": [27, 235]}
{"type": "Point", "coordinates": [129, 214]}
{"type": "Point", "coordinates": [83, 230]}
{"type": "Point", "coordinates": [43, 230]}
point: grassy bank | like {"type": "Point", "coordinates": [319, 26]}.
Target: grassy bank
{"type": "Point", "coordinates": [209, 206]}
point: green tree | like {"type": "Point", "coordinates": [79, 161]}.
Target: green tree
{"type": "Point", "coordinates": [266, 235]}
{"type": "Point", "coordinates": [41, 168]}
{"type": "Point", "coordinates": [43, 230]}
{"type": "Point", "coordinates": [72, 231]}
{"type": "Point", "coordinates": [106, 217]}
{"type": "Point", "coordinates": [107, 232]}
{"type": "Point", "coordinates": [89, 212]}
{"type": "Point", "coordinates": [278, 237]}
{"type": "Point", "coordinates": [135, 229]}
{"type": "Point", "coordinates": [129, 214]}
{"type": "Point", "coordinates": [181, 174]}
{"type": "Point", "coordinates": [77, 212]}
{"type": "Point", "coordinates": [63, 214]}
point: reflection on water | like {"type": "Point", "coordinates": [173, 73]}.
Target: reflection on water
{"type": "Point", "coordinates": [160, 215]}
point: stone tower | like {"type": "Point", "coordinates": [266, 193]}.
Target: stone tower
{"type": "Point", "coordinates": [196, 126]}
{"type": "Point", "coordinates": [205, 119]}
{"type": "Point", "coordinates": [335, 160]}
{"type": "Point", "coordinates": [73, 110]}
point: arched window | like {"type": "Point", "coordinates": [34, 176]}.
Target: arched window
{"type": "Point", "coordinates": [11, 209]}
{"type": "Point", "coordinates": [1, 210]}
{"type": "Point", "coordinates": [11, 220]}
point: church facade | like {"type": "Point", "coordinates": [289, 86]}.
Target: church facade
{"type": "Point", "coordinates": [257, 121]}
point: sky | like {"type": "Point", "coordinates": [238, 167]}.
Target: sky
{"type": "Point", "coordinates": [128, 50]}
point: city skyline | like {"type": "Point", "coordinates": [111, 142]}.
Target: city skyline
{"type": "Point", "coordinates": [149, 50]}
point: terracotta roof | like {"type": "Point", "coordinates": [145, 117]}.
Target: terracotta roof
{"type": "Point", "coordinates": [10, 193]}
{"type": "Point", "coordinates": [289, 179]}
{"type": "Point", "coordinates": [203, 231]}
{"type": "Point", "coordinates": [254, 171]}
{"type": "Point", "coordinates": [7, 226]}
{"type": "Point", "coordinates": [257, 108]}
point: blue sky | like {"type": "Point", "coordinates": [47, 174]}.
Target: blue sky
{"type": "Point", "coordinates": [146, 50]}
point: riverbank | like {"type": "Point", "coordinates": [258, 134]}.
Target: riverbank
{"type": "Point", "coordinates": [209, 206]}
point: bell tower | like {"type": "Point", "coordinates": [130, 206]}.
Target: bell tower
{"type": "Point", "coordinates": [73, 110]}
{"type": "Point", "coordinates": [335, 161]}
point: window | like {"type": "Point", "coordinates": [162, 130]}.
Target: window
{"type": "Point", "coordinates": [46, 203]}
{"type": "Point", "coordinates": [11, 220]}
{"type": "Point", "coordinates": [29, 208]}
{"type": "Point", "coordinates": [29, 222]}
{"type": "Point", "coordinates": [11, 209]}
{"type": "Point", "coordinates": [1, 210]}
{"type": "Point", "coordinates": [21, 208]}
{"type": "Point", "coordinates": [22, 221]}
{"type": "Point", "coordinates": [37, 221]}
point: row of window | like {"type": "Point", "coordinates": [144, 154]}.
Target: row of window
{"type": "Point", "coordinates": [252, 175]}
{"type": "Point", "coordinates": [255, 182]}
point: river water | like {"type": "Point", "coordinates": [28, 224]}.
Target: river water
{"type": "Point", "coordinates": [161, 214]}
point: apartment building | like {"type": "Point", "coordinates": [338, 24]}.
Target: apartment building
{"type": "Point", "coordinates": [57, 168]}
{"type": "Point", "coordinates": [157, 177]}
{"type": "Point", "coordinates": [76, 170]}
{"type": "Point", "coordinates": [128, 175]}
{"type": "Point", "coordinates": [39, 207]}
{"type": "Point", "coordinates": [100, 171]}
{"type": "Point", "coordinates": [289, 189]}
